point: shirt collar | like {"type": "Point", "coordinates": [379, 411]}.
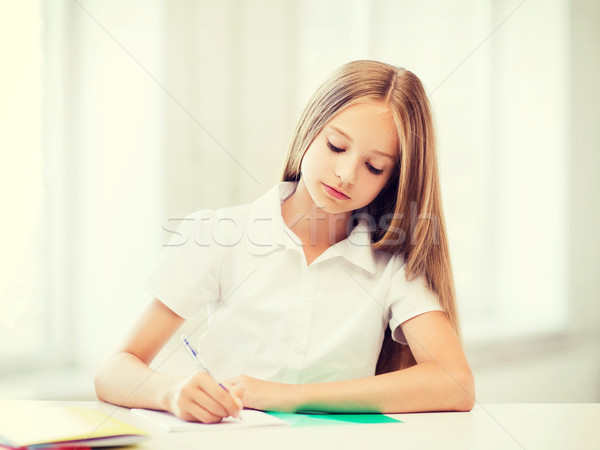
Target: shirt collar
{"type": "Point", "coordinates": [267, 231]}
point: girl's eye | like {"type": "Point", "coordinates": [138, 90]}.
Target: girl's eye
{"type": "Point", "coordinates": [374, 170]}
{"type": "Point", "coordinates": [334, 148]}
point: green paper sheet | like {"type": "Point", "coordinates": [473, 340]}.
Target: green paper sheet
{"type": "Point", "coordinates": [320, 419]}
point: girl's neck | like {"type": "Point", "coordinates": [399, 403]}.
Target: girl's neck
{"type": "Point", "coordinates": [311, 224]}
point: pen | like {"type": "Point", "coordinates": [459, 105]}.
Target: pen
{"type": "Point", "coordinates": [194, 354]}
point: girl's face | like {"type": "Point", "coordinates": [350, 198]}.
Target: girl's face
{"type": "Point", "coordinates": [354, 154]}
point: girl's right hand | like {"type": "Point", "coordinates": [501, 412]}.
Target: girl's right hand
{"type": "Point", "coordinates": [199, 398]}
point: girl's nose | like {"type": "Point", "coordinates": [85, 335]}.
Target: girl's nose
{"type": "Point", "coordinates": [346, 171]}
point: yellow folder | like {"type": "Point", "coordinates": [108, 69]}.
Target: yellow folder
{"type": "Point", "coordinates": [28, 424]}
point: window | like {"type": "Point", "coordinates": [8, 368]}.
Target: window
{"type": "Point", "coordinates": [34, 292]}
{"type": "Point", "coordinates": [506, 176]}
{"type": "Point", "coordinates": [22, 324]}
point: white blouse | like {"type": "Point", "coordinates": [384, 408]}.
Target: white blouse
{"type": "Point", "coordinates": [270, 315]}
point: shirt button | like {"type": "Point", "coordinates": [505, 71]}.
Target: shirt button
{"type": "Point", "coordinates": [297, 348]}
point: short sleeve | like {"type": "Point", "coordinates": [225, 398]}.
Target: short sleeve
{"type": "Point", "coordinates": [186, 275]}
{"type": "Point", "coordinates": [408, 299]}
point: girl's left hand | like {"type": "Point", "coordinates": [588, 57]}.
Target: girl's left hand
{"type": "Point", "coordinates": [263, 395]}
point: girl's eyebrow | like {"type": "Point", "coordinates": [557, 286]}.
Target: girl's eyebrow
{"type": "Point", "coordinates": [350, 139]}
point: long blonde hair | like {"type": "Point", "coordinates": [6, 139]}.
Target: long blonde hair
{"type": "Point", "coordinates": [411, 198]}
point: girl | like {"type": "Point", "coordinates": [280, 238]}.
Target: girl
{"type": "Point", "coordinates": [331, 292]}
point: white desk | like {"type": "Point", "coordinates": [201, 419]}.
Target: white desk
{"type": "Point", "coordinates": [490, 426]}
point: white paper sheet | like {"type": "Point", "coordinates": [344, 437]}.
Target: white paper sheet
{"type": "Point", "coordinates": [168, 422]}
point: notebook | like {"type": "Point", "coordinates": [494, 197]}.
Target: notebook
{"type": "Point", "coordinates": [27, 425]}
{"type": "Point", "coordinates": [171, 423]}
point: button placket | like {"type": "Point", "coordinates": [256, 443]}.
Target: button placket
{"type": "Point", "coordinates": [305, 312]}
{"type": "Point", "coordinates": [294, 349]}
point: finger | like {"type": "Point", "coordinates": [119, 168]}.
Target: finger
{"type": "Point", "coordinates": [193, 412]}
{"type": "Point", "coordinates": [194, 390]}
{"type": "Point", "coordinates": [235, 394]}
{"type": "Point", "coordinates": [204, 415]}
{"type": "Point", "coordinates": [203, 385]}
{"type": "Point", "coordinates": [238, 401]}
{"type": "Point", "coordinates": [223, 397]}
{"type": "Point", "coordinates": [210, 404]}
{"type": "Point", "coordinates": [226, 399]}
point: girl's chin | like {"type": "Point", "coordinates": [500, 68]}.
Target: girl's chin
{"type": "Point", "coordinates": [329, 208]}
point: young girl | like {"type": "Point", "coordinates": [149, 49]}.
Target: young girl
{"type": "Point", "coordinates": [331, 292]}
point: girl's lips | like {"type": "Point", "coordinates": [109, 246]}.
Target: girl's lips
{"type": "Point", "coordinates": [331, 191]}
